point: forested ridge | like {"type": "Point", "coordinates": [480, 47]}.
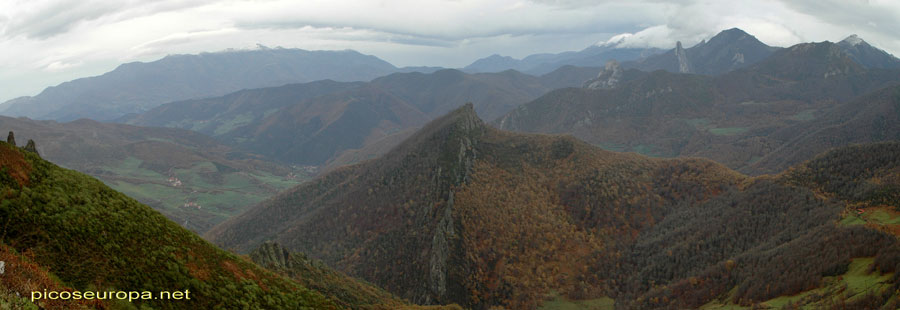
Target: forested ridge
{"type": "Point", "coordinates": [489, 218]}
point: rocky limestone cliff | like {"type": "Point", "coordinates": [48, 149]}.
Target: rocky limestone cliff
{"type": "Point", "coordinates": [465, 129]}
{"type": "Point", "coordinates": [684, 66]}
{"type": "Point", "coordinates": [30, 147]}
{"type": "Point", "coordinates": [609, 77]}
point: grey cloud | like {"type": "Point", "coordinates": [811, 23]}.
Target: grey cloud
{"type": "Point", "coordinates": [424, 36]}
{"type": "Point", "coordinates": [40, 21]}
{"type": "Point", "coordinates": [56, 19]}
{"type": "Point", "coordinates": [877, 17]}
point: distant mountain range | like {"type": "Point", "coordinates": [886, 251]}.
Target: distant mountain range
{"type": "Point", "coordinates": [137, 87]}
{"type": "Point", "coordinates": [736, 118]}
{"type": "Point", "coordinates": [313, 123]}
{"type": "Point", "coordinates": [540, 64]}
{"type": "Point", "coordinates": [729, 50]}
{"type": "Point", "coordinates": [464, 213]}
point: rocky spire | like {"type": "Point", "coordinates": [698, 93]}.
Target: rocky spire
{"type": "Point", "coordinates": [684, 66]}
{"type": "Point", "coordinates": [11, 138]}
{"type": "Point", "coordinates": [30, 147]}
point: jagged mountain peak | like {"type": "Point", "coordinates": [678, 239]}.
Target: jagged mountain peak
{"type": "Point", "coordinates": [684, 65]}
{"type": "Point", "coordinates": [463, 117]}
{"type": "Point", "coordinates": [726, 51]}
{"type": "Point", "coordinates": [853, 39]}
{"type": "Point", "coordinates": [867, 55]}
{"type": "Point", "coordinates": [461, 124]}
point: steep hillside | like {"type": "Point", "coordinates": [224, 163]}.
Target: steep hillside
{"type": "Point", "coordinates": [461, 212]}
{"type": "Point", "coordinates": [72, 231]}
{"type": "Point", "coordinates": [808, 72]}
{"type": "Point", "coordinates": [192, 179]}
{"type": "Point", "coordinates": [137, 87]}
{"type": "Point", "coordinates": [844, 252]}
{"type": "Point", "coordinates": [867, 55]}
{"type": "Point", "coordinates": [444, 203]}
{"type": "Point", "coordinates": [344, 290]}
{"type": "Point", "coordinates": [870, 118]}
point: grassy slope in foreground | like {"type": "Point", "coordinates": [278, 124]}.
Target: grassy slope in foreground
{"type": "Point", "coordinates": [91, 237]}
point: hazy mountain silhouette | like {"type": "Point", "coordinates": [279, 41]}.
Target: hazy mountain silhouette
{"type": "Point", "coordinates": [137, 87]}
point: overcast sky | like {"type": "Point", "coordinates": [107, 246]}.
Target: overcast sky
{"type": "Point", "coordinates": [44, 43]}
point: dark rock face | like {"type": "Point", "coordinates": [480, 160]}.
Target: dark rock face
{"type": "Point", "coordinates": [272, 256]}
{"type": "Point", "coordinates": [30, 147]}
{"type": "Point", "coordinates": [684, 66]}
{"type": "Point", "coordinates": [11, 138]}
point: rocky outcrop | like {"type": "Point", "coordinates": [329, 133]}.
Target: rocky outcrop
{"type": "Point", "coordinates": [684, 66]}
{"type": "Point", "coordinates": [11, 138]}
{"type": "Point", "coordinates": [609, 77]}
{"type": "Point", "coordinates": [467, 128]}
{"type": "Point", "coordinates": [30, 147]}
{"type": "Point", "coordinates": [272, 256]}
{"type": "Point", "coordinates": [440, 253]}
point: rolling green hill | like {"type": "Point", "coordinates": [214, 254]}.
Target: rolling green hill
{"type": "Point", "coordinates": [86, 236]}
{"type": "Point", "coordinates": [192, 179]}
